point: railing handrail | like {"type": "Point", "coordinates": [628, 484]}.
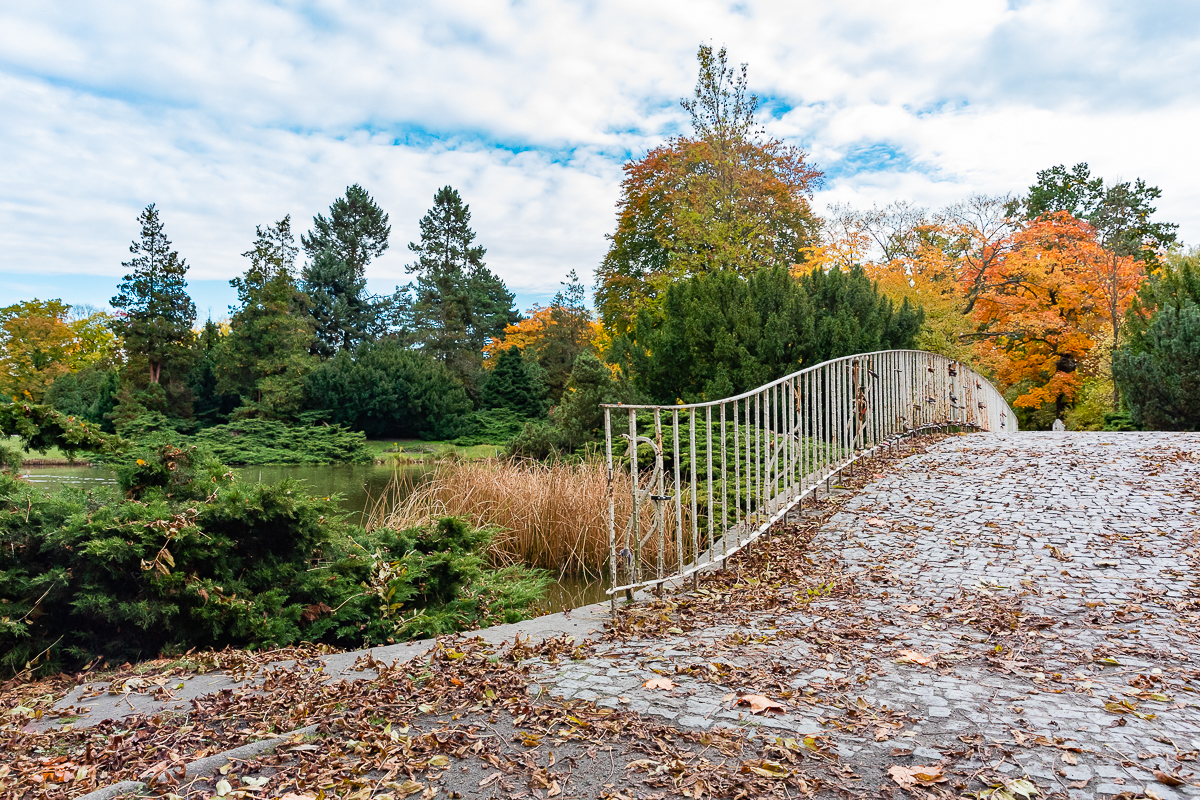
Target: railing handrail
{"type": "Point", "coordinates": [788, 436]}
{"type": "Point", "coordinates": [774, 383]}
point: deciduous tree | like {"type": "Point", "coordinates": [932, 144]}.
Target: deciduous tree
{"type": "Point", "coordinates": [726, 198]}
{"type": "Point", "coordinates": [554, 336]}
{"type": "Point", "coordinates": [1040, 309]}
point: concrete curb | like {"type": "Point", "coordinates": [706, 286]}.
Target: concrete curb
{"type": "Point", "coordinates": [202, 766]}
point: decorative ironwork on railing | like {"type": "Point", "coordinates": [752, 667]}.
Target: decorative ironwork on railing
{"type": "Point", "coordinates": [709, 478]}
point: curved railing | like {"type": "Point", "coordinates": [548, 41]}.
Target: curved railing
{"type": "Point", "coordinates": [696, 502]}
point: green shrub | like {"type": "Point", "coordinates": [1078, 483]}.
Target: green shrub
{"type": "Point", "coordinates": [268, 441]}
{"type": "Point", "coordinates": [491, 426]}
{"type": "Point", "coordinates": [389, 391]}
{"type": "Point", "coordinates": [1159, 373]}
{"type": "Point", "coordinates": [183, 555]}
{"type": "Point", "coordinates": [89, 394]}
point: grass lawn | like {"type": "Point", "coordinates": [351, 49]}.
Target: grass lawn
{"type": "Point", "coordinates": [417, 449]}
{"type": "Point", "coordinates": [52, 456]}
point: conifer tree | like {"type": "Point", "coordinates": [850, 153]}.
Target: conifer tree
{"type": "Point", "coordinates": [155, 313]}
{"type": "Point", "coordinates": [510, 385]}
{"type": "Point", "coordinates": [265, 356]}
{"type": "Point", "coordinates": [339, 249]}
{"type": "Point", "coordinates": [459, 303]}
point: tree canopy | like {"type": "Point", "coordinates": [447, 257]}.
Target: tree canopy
{"type": "Point", "coordinates": [339, 248]}
{"type": "Point", "coordinates": [458, 304]}
{"type": "Point", "coordinates": [725, 198]}
{"type": "Point", "coordinates": [155, 313]}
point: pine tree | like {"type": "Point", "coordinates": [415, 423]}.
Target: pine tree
{"type": "Point", "coordinates": [265, 356]}
{"type": "Point", "coordinates": [155, 312]}
{"type": "Point", "coordinates": [510, 385]}
{"type": "Point", "coordinates": [460, 304]}
{"type": "Point", "coordinates": [339, 249]}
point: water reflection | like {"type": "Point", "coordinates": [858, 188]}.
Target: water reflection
{"type": "Point", "coordinates": [360, 485]}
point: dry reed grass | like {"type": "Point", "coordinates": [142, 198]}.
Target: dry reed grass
{"type": "Point", "coordinates": [548, 515]}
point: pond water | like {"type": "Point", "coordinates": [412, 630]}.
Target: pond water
{"type": "Point", "coordinates": [361, 487]}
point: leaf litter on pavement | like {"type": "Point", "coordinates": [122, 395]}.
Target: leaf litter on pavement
{"type": "Point", "coordinates": [462, 722]}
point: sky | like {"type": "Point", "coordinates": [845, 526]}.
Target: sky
{"type": "Point", "coordinates": [231, 114]}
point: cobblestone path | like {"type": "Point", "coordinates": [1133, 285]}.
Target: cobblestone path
{"type": "Point", "coordinates": [1020, 606]}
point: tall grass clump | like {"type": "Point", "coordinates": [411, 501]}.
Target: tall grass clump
{"type": "Point", "coordinates": [549, 515]}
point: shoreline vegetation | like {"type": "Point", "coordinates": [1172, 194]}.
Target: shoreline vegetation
{"type": "Point", "coordinates": [183, 554]}
{"type": "Point", "coordinates": [411, 451]}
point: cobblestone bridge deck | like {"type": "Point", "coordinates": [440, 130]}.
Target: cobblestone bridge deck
{"type": "Point", "coordinates": [1038, 594]}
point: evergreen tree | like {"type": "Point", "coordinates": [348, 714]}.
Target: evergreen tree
{"type": "Point", "coordinates": [510, 385]}
{"type": "Point", "coordinates": [719, 334]}
{"type": "Point", "coordinates": [1158, 370]}
{"type": "Point", "coordinates": [459, 303]}
{"type": "Point", "coordinates": [1161, 381]}
{"type": "Point", "coordinates": [386, 389]}
{"type": "Point", "coordinates": [265, 356]}
{"type": "Point", "coordinates": [853, 316]}
{"type": "Point", "coordinates": [155, 314]}
{"type": "Point", "coordinates": [339, 249]}
{"type": "Point", "coordinates": [208, 405]}
{"type": "Point", "coordinates": [579, 415]}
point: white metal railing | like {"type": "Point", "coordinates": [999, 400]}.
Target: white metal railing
{"type": "Point", "coordinates": [696, 502]}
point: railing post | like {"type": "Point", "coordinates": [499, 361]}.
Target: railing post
{"type": "Point", "coordinates": [612, 511]}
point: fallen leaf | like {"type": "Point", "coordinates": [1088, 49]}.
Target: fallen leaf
{"type": "Point", "coordinates": [1167, 778]}
{"type": "Point", "coordinates": [911, 609]}
{"type": "Point", "coordinates": [409, 787]}
{"type": "Point", "coordinates": [759, 704]}
{"type": "Point", "coordinates": [1069, 758]}
{"type": "Point", "coordinates": [768, 769]}
{"type": "Point", "coordinates": [875, 522]}
{"type": "Point", "coordinates": [295, 796]}
{"type": "Point", "coordinates": [907, 777]}
{"type": "Point", "coordinates": [1078, 784]}
{"type": "Point", "coordinates": [659, 683]}
{"type": "Point", "coordinates": [1021, 787]}
{"type": "Point", "coordinates": [916, 658]}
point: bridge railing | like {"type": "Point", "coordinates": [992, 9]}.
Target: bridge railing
{"type": "Point", "coordinates": [707, 479]}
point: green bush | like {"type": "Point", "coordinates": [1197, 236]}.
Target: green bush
{"type": "Point", "coordinates": [1159, 373]}
{"type": "Point", "coordinates": [183, 555]}
{"type": "Point", "coordinates": [389, 391]}
{"type": "Point", "coordinates": [268, 441]}
{"type": "Point", "coordinates": [89, 394]}
{"type": "Point", "coordinates": [490, 426]}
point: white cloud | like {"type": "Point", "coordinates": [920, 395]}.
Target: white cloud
{"type": "Point", "coordinates": [230, 114]}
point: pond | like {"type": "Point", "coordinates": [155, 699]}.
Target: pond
{"type": "Point", "coordinates": [360, 487]}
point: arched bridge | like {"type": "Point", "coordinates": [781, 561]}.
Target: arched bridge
{"type": "Point", "coordinates": [692, 484]}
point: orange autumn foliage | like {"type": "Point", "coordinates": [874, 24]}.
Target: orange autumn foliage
{"type": "Point", "coordinates": [1043, 302]}
{"type": "Point", "coordinates": [531, 334]}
